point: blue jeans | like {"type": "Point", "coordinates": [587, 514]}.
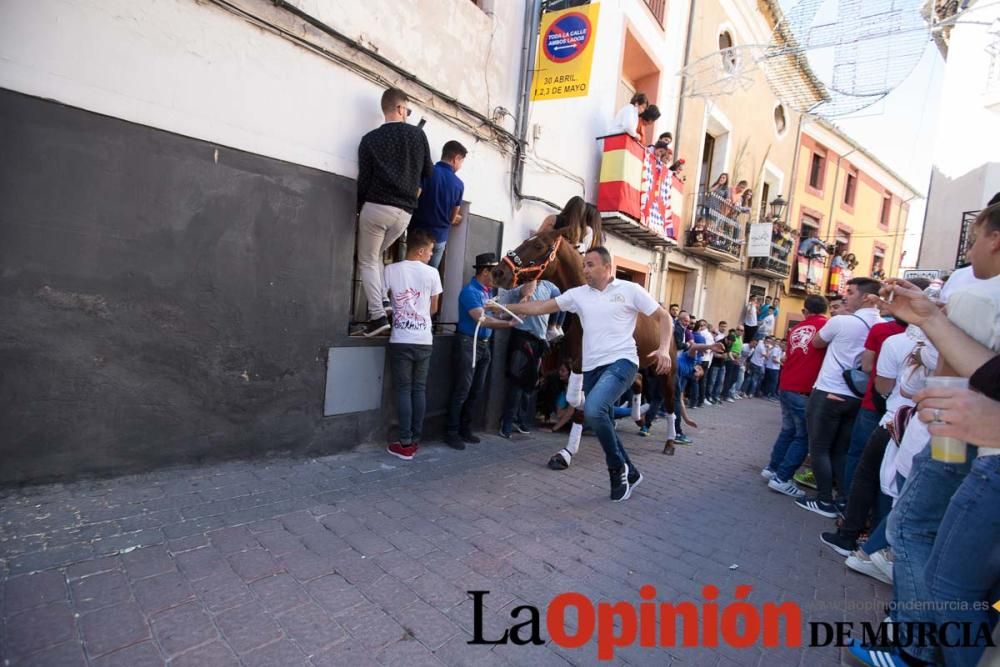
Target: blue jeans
{"type": "Point", "coordinates": [469, 382]}
{"type": "Point", "coordinates": [738, 376]}
{"type": "Point", "coordinates": [603, 386]}
{"type": "Point", "coordinates": [864, 425]}
{"type": "Point", "coordinates": [770, 388]}
{"type": "Point", "coordinates": [792, 445]}
{"type": "Point", "coordinates": [755, 376]}
{"type": "Point", "coordinates": [409, 365]}
{"type": "Point", "coordinates": [912, 528]}
{"type": "Point", "coordinates": [716, 378]}
{"type": "Point", "coordinates": [438, 253]}
{"type": "Point", "coordinates": [965, 561]}
{"type": "Point", "coordinates": [681, 385]}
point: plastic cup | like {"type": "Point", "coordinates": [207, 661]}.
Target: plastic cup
{"type": "Point", "coordinates": [945, 449]}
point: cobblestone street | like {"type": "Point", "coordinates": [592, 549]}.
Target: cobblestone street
{"type": "Point", "coordinates": [362, 559]}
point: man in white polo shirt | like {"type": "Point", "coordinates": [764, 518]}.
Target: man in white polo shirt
{"type": "Point", "coordinates": [832, 406]}
{"type": "Point", "coordinates": [608, 309]}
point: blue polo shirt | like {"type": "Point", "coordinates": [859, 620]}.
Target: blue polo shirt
{"type": "Point", "coordinates": [685, 364]}
{"type": "Point", "coordinates": [473, 295]}
{"type": "Point", "coordinates": [439, 195]}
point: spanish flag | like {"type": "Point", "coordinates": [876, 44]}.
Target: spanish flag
{"type": "Point", "coordinates": [621, 176]}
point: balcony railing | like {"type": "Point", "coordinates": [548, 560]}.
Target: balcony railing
{"type": "Point", "coordinates": [776, 264]}
{"type": "Point", "coordinates": [718, 229]}
{"type": "Point", "coordinates": [638, 196]}
{"type": "Point", "coordinates": [657, 7]}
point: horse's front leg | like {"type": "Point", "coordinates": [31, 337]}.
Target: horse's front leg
{"type": "Point", "coordinates": [574, 396]}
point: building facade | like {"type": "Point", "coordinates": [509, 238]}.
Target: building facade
{"type": "Point", "coordinates": [745, 131]}
{"type": "Point", "coordinates": [855, 205]}
{"type": "Point", "coordinates": [179, 204]}
{"type": "Point", "coordinates": [966, 148]}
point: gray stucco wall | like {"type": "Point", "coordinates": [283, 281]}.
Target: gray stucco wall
{"type": "Point", "coordinates": [164, 300]}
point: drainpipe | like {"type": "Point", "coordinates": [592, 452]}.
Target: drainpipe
{"type": "Point", "coordinates": [896, 237]}
{"type": "Point", "coordinates": [532, 16]}
{"type": "Point", "coordinates": [680, 94]}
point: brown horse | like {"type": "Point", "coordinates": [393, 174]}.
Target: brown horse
{"type": "Point", "coordinates": [551, 257]}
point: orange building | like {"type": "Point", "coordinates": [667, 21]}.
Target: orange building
{"type": "Point", "coordinates": [854, 204]}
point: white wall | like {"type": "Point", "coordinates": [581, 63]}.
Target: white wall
{"type": "Point", "coordinates": [192, 68]}
{"type": "Point", "coordinates": [967, 143]}
{"type": "Point", "coordinates": [569, 127]}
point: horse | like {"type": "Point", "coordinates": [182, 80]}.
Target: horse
{"type": "Point", "coordinates": [550, 256]}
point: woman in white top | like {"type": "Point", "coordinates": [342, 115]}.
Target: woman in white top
{"type": "Point", "coordinates": [634, 117]}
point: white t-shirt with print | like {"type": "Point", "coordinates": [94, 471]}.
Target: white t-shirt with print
{"type": "Point", "coordinates": [773, 361]}
{"type": "Point", "coordinates": [759, 354]}
{"type": "Point", "coordinates": [411, 284]}
{"type": "Point", "coordinates": [891, 362]}
{"type": "Point", "coordinates": [845, 336]}
{"type": "Point", "coordinates": [608, 319]}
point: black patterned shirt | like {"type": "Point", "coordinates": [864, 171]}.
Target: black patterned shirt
{"type": "Point", "coordinates": [392, 162]}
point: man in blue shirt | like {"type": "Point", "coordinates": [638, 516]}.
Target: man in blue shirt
{"type": "Point", "coordinates": [469, 381]}
{"type": "Point", "coordinates": [440, 203]}
{"type": "Point", "coordinates": [524, 353]}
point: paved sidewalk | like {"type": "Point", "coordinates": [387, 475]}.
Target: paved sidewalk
{"type": "Point", "coordinates": [362, 559]}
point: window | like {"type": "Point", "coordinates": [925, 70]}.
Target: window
{"type": "Point", "coordinates": [780, 122]}
{"type": "Point", "coordinates": [883, 219]}
{"type": "Point", "coordinates": [817, 167]}
{"type": "Point", "coordinates": [878, 262]}
{"type": "Point", "coordinates": [730, 59]}
{"type": "Point", "coordinates": [850, 187]}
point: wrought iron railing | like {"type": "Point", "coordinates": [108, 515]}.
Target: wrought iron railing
{"type": "Point", "coordinates": [777, 260]}
{"type": "Point", "coordinates": [657, 7]}
{"type": "Point", "coordinates": [719, 224]}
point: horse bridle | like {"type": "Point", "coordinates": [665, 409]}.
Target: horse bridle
{"type": "Point", "coordinates": [531, 270]}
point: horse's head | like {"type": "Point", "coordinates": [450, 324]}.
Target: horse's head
{"type": "Point", "coordinates": [532, 260]}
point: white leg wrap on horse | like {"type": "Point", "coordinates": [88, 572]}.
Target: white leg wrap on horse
{"type": "Point", "coordinates": [574, 390]}
{"type": "Point", "coordinates": [573, 443]}
{"type": "Point", "coordinates": [671, 431]}
{"type": "Point", "coordinates": [636, 407]}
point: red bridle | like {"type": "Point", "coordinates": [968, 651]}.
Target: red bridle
{"type": "Point", "coordinates": [531, 270]}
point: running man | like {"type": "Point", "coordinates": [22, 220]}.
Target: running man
{"type": "Point", "coordinates": [608, 309]}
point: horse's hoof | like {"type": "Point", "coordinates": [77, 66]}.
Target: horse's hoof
{"type": "Point", "coordinates": [668, 449]}
{"type": "Point", "coordinates": [557, 463]}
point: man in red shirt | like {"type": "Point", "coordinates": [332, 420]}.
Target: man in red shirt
{"type": "Point", "coordinates": [798, 375]}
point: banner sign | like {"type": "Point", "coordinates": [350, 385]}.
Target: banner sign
{"type": "Point", "coordinates": [759, 244]}
{"type": "Point", "coordinates": [565, 52]}
{"type": "Point", "coordinates": [929, 274]}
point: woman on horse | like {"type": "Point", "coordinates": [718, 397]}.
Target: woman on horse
{"type": "Point", "coordinates": [582, 219]}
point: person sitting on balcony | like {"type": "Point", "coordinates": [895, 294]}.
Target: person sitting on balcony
{"type": "Point", "coordinates": [662, 153]}
{"type": "Point", "coordinates": [666, 138]}
{"type": "Point", "coordinates": [812, 246]}
{"type": "Point", "coordinates": [583, 218]}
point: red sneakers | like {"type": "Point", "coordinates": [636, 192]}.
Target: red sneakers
{"type": "Point", "coordinates": [399, 450]}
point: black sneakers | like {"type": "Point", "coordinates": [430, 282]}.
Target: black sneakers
{"type": "Point", "coordinates": [634, 477]}
{"type": "Point", "coordinates": [620, 488]}
{"type": "Point", "coordinates": [454, 441]}
{"type": "Point", "coordinates": [829, 510]}
{"type": "Point", "coordinates": [374, 327]}
{"type": "Point", "coordinates": [842, 544]}
{"type": "Point", "coordinates": [469, 437]}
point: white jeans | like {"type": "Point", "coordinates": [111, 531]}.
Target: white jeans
{"type": "Point", "coordinates": [378, 228]}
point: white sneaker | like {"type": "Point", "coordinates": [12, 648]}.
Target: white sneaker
{"type": "Point", "coordinates": [859, 563]}
{"type": "Point", "coordinates": [767, 473]}
{"type": "Point", "coordinates": [730, 399]}
{"type": "Point", "coordinates": [882, 559]}
{"type": "Point", "coordinates": [788, 488]}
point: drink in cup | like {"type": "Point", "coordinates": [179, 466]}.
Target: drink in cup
{"type": "Point", "coordinates": [943, 448]}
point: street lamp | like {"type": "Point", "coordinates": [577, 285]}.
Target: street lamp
{"type": "Point", "coordinates": [778, 205]}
